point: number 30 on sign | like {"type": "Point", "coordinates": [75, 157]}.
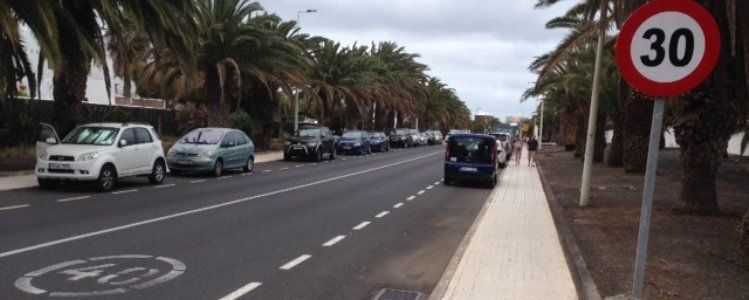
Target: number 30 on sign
{"type": "Point", "coordinates": [668, 47]}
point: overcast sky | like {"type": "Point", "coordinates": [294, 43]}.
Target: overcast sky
{"type": "Point", "coordinates": [481, 48]}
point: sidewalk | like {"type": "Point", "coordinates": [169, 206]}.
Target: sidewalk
{"type": "Point", "coordinates": [27, 179]}
{"type": "Point", "coordinates": [514, 252]}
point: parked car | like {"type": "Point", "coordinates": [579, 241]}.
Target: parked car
{"type": "Point", "coordinates": [312, 143]}
{"type": "Point", "coordinates": [506, 140]}
{"type": "Point", "coordinates": [471, 157]}
{"type": "Point", "coordinates": [502, 155]}
{"type": "Point", "coordinates": [435, 137]}
{"type": "Point", "coordinates": [212, 150]}
{"type": "Point", "coordinates": [380, 141]}
{"type": "Point", "coordinates": [402, 137]}
{"type": "Point", "coordinates": [453, 131]}
{"type": "Point", "coordinates": [100, 152]}
{"type": "Point", "coordinates": [423, 138]}
{"type": "Point", "coordinates": [355, 141]}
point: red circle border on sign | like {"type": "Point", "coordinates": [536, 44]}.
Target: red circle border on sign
{"type": "Point", "coordinates": [691, 81]}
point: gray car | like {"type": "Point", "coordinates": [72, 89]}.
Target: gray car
{"type": "Point", "coordinates": [212, 150]}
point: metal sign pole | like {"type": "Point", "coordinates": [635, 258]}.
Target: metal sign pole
{"type": "Point", "coordinates": [647, 199]}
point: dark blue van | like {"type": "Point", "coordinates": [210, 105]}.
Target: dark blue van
{"type": "Point", "coordinates": [471, 157]}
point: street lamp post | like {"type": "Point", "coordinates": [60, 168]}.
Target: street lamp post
{"type": "Point", "coordinates": [296, 95]}
{"type": "Point", "coordinates": [541, 126]}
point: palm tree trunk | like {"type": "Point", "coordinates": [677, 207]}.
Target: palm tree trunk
{"type": "Point", "coordinates": [218, 107]}
{"type": "Point", "coordinates": [706, 120]}
{"type": "Point", "coordinates": [638, 113]}
{"type": "Point", "coordinates": [69, 85]}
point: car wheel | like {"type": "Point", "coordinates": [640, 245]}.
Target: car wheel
{"type": "Point", "coordinates": [48, 184]}
{"type": "Point", "coordinates": [387, 149]}
{"type": "Point", "coordinates": [158, 173]}
{"type": "Point", "coordinates": [318, 155]}
{"type": "Point", "coordinates": [218, 168]}
{"type": "Point", "coordinates": [286, 157]}
{"type": "Point", "coordinates": [492, 182]}
{"type": "Point", "coordinates": [249, 165]}
{"type": "Point", "coordinates": [333, 153]}
{"type": "Point", "coordinates": [107, 178]}
{"type": "Point", "coordinates": [448, 181]}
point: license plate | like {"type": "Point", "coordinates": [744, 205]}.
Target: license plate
{"type": "Point", "coordinates": [468, 169]}
{"type": "Point", "coordinates": [59, 166]}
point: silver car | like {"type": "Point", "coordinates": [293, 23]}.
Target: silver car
{"type": "Point", "coordinates": [212, 150]}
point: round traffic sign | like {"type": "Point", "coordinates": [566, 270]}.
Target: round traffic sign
{"type": "Point", "coordinates": [668, 47]}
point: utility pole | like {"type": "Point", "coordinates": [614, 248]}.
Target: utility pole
{"type": "Point", "coordinates": [296, 95]}
{"type": "Point", "coordinates": [541, 126]}
{"type": "Point", "coordinates": [593, 114]}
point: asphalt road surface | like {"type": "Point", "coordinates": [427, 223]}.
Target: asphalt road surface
{"type": "Point", "coordinates": [289, 230]}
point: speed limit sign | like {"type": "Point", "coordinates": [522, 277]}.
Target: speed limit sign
{"type": "Point", "coordinates": [668, 47]}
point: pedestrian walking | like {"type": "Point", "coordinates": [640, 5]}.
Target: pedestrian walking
{"type": "Point", "coordinates": [518, 151]}
{"type": "Point", "coordinates": [532, 148]}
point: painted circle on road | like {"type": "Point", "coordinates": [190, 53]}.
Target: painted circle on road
{"type": "Point", "coordinates": [99, 276]}
{"type": "Point", "coordinates": [667, 48]}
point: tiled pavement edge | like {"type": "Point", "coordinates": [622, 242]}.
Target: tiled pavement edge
{"type": "Point", "coordinates": [513, 250]}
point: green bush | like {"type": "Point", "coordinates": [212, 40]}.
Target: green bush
{"type": "Point", "coordinates": [28, 130]}
{"type": "Point", "coordinates": [241, 120]}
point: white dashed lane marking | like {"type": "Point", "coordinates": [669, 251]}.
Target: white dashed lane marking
{"type": "Point", "coordinates": [420, 192]}
{"type": "Point", "coordinates": [242, 291]}
{"type": "Point", "coordinates": [163, 186]}
{"type": "Point", "coordinates": [290, 265]}
{"type": "Point", "coordinates": [437, 182]}
{"type": "Point", "coordinates": [398, 205]}
{"type": "Point", "coordinates": [198, 181]}
{"type": "Point", "coordinates": [14, 207]}
{"type": "Point", "coordinates": [225, 177]}
{"type": "Point", "coordinates": [382, 214]}
{"type": "Point", "coordinates": [410, 198]}
{"type": "Point", "coordinates": [361, 225]}
{"type": "Point", "coordinates": [334, 241]}
{"type": "Point", "coordinates": [125, 191]}
{"type": "Point", "coordinates": [266, 171]}
{"type": "Point", "coordinates": [430, 187]}
{"type": "Point", "coordinates": [73, 198]}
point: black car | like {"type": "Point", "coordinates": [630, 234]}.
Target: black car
{"type": "Point", "coordinates": [379, 141]}
{"type": "Point", "coordinates": [355, 141]}
{"type": "Point", "coordinates": [402, 137]}
{"type": "Point", "coordinates": [311, 143]}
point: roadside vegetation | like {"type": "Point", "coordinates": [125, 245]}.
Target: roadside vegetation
{"type": "Point", "coordinates": [218, 59]}
{"type": "Point", "coordinates": [704, 120]}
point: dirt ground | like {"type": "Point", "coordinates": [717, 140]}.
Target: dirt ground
{"type": "Point", "coordinates": [690, 257]}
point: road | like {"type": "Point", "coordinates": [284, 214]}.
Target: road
{"type": "Point", "coordinates": [290, 230]}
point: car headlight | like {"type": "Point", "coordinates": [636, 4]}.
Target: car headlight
{"type": "Point", "coordinates": [88, 156]}
{"type": "Point", "coordinates": [43, 156]}
{"type": "Point", "coordinates": [357, 144]}
{"type": "Point", "coordinates": [205, 154]}
{"type": "Point", "coordinates": [312, 144]}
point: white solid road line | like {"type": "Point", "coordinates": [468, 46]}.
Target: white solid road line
{"type": "Point", "coordinates": [266, 171]}
{"type": "Point", "coordinates": [410, 198]}
{"type": "Point", "coordinates": [124, 191]}
{"type": "Point", "coordinates": [297, 166]}
{"type": "Point", "coordinates": [430, 187]}
{"type": "Point", "coordinates": [398, 205]}
{"type": "Point", "coordinates": [284, 168]}
{"type": "Point", "coordinates": [14, 207]}
{"type": "Point", "coordinates": [290, 265]}
{"type": "Point", "coordinates": [361, 225]}
{"type": "Point", "coordinates": [163, 186]}
{"type": "Point", "coordinates": [420, 192]}
{"type": "Point", "coordinates": [382, 214]}
{"type": "Point", "coordinates": [242, 291]}
{"type": "Point", "coordinates": [73, 198]}
{"type": "Point", "coordinates": [198, 181]}
{"type": "Point", "coordinates": [206, 208]}
{"type": "Point", "coordinates": [334, 240]}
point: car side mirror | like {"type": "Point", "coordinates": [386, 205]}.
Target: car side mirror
{"type": "Point", "coordinates": [51, 140]}
{"type": "Point", "coordinates": [123, 143]}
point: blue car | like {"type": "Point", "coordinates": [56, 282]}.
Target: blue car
{"type": "Point", "coordinates": [212, 150]}
{"type": "Point", "coordinates": [355, 141]}
{"type": "Point", "coordinates": [471, 157]}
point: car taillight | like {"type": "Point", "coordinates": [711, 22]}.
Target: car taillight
{"type": "Point", "coordinates": [447, 153]}
{"type": "Point", "coordinates": [494, 156]}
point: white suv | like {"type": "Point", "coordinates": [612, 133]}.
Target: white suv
{"type": "Point", "coordinates": [101, 152]}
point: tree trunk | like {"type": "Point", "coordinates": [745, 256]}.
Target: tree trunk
{"type": "Point", "coordinates": [218, 107]}
{"type": "Point", "coordinates": [707, 118]}
{"type": "Point", "coordinates": [69, 87]}
{"type": "Point", "coordinates": [599, 148]}
{"type": "Point", "coordinates": [638, 114]}
{"type": "Point", "coordinates": [570, 128]}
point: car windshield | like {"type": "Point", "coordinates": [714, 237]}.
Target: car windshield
{"type": "Point", "coordinates": [478, 148]}
{"type": "Point", "coordinates": [352, 135]}
{"type": "Point", "coordinates": [203, 136]}
{"type": "Point", "coordinates": [102, 136]}
{"type": "Point", "coordinates": [310, 132]}
{"type": "Point", "coordinates": [402, 131]}
{"type": "Point", "coordinates": [502, 137]}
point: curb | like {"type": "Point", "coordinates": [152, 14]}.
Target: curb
{"type": "Point", "coordinates": [586, 287]}
{"type": "Point", "coordinates": [441, 288]}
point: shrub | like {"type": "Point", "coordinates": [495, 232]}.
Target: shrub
{"type": "Point", "coordinates": [241, 120]}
